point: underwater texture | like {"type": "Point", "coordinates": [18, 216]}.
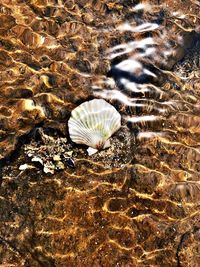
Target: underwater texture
{"type": "Point", "coordinates": [136, 203]}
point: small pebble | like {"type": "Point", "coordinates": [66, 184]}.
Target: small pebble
{"type": "Point", "coordinates": [48, 170]}
{"type": "Point", "coordinates": [60, 165]}
{"type": "Point", "coordinates": [56, 158]}
{"type": "Point", "coordinates": [24, 167]}
{"type": "Point", "coordinates": [37, 159]}
{"type": "Point", "coordinates": [70, 163]}
{"type": "Point", "coordinates": [69, 153]}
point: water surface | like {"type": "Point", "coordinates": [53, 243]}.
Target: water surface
{"type": "Point", "coordinates": [135, 204]}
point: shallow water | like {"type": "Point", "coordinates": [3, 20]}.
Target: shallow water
{"type": "Point", "coordinates": [136, 203]}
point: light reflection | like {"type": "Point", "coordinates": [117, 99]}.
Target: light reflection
{"type": "Point", "coordinates": [135, 71]}
{"type": "Point", "coordinates": [145, 27]}
{"type": "Point", "coordinates": [142, 6]}
{"type": "Point", "coordinates": [136, 119]}
{"type": "Point", "coordinates": [150, 135]}
{"type": "Point", "coordinates": [122, 49]}
{"type": "Point", "coordinates": [117, 95]}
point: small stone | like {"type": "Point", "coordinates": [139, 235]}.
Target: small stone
{"type": "Point", "coordinates": [70, 163]}
{"type": "Point", "coordinates": [48, 170]}
{"type": "Point", "coordinates": [25, 166]}
{"type": "Point", "coordinates": [91, 151]}
{"type": "Point", "coordinates": [37, 159]}
{"type": "Point", "coordinates": [60, 165]}
{"type": "Point", "coordinates": [56, 158]}
{"type": "Point", "coordinates": [69, 153]}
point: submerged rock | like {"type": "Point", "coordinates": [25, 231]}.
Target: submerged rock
{"type": "Point", "coordinates": [135, 203]}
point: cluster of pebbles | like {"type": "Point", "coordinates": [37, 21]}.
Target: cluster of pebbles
{"type": "Point", "coordinates": [51, 153]}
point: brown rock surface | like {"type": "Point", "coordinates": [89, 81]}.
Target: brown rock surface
{"type": "Point", "coordinates": [134, 204]}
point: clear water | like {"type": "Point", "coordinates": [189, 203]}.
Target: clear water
{"type": "Point", "coordinates": [136, 203]}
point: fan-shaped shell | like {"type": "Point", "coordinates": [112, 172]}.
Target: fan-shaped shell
{"type": "Point", "coordinates": [93, 122]}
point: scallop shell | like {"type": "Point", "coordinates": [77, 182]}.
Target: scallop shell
{"type": "Point", "coordinates": [93, 123]}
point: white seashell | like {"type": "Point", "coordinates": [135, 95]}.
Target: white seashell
{"type": "Point", "coordinates": [93, 123]}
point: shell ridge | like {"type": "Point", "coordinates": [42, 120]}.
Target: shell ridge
{"type": "Point", "coordinates": [79, 130]}
{"type": "Point", "coordinates": [93, 123]}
